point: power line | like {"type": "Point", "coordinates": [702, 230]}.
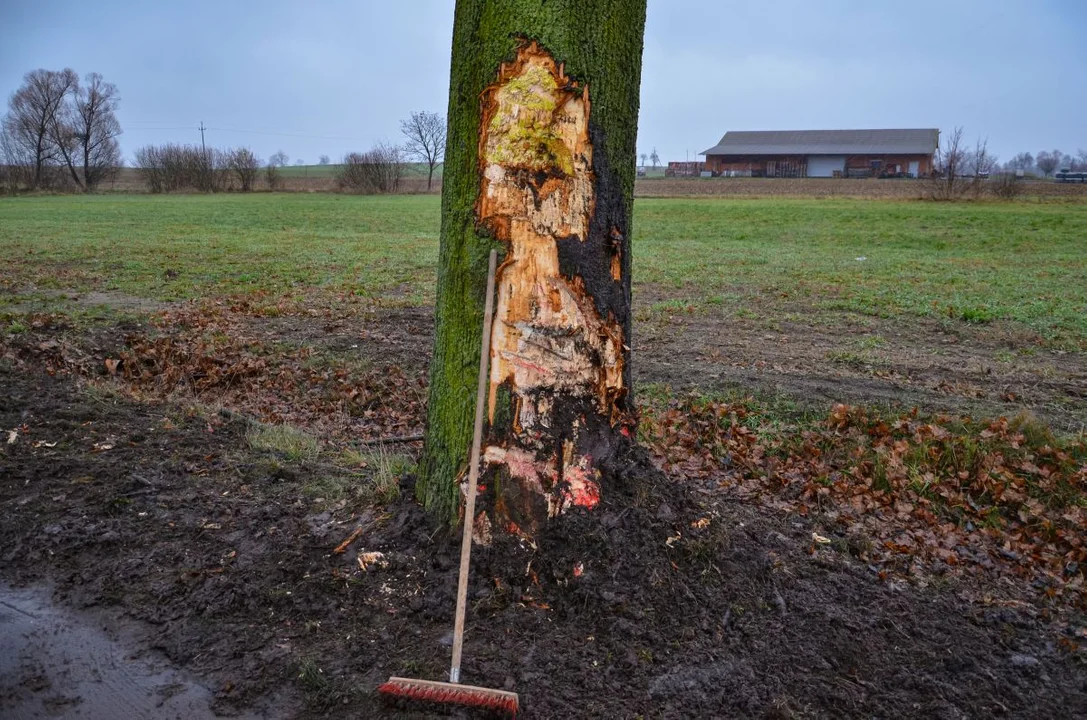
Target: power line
{"type": "Point", "coordinates": [285, 134]}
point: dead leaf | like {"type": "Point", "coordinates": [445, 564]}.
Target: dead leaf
{"type": "Point", "coordinates": [372, 560]}
{"type": "Point", "coordinates": [13, 435]}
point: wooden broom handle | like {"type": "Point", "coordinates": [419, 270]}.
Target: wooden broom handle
{"type": "Point", "coordinates": [473, 477]}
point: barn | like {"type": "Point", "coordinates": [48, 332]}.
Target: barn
{"type": "Point", "coordinates": [824, 153]}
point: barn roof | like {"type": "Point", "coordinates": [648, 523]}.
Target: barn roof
{"type": "Point", "coordinates": [920, 141]}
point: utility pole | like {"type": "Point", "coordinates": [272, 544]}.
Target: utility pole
{"type": "Point", "coordinates": [204, 154]}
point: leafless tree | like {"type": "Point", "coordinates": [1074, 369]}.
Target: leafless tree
{"type": "Point", "coordinates": [271, 172]}
{"type": "Point", "coordinates": [425, 133]}
{"type": "Point", "coordinates": [1005, 185]}
{"type": "Point", "coordinates": [299, 162]}
{"type": "Point", "coordinates": [33, 112]}
{"type": "Point", "coordinates": [96, 129]}
{"type": "Point", "coordinates": [1047, 162]}
{"type": "Point", "coordinates": [376, 171]}
{"type": "Point", "coordinates": [655, 158]}
{"type": "Point", "coordinates": [324, 160]}
{"type": "Point", "coordinates": [959, 170]}
{"type": "Point", "coordinates": [1080, 163]}
{"type": "Point", "coordinates": [245, 166]}
{"type": "Point", "coordinates": [645, 158]}
{"type": "Point", "coordinates": [16, 162]}
{"type": "Point", "coordinates": [979, 164]}
{"type": "Point", "coordinates": [172, 167]}
{"type": "Point", "coordinates": [1023, 161]}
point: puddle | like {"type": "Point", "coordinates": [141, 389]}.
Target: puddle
{"type": "Point", "coordinates": [59, 663]}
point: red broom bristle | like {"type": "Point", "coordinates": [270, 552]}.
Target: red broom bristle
{"type": "Point", "coordinates": [458, 696]}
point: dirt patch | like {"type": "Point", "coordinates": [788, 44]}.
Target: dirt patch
{"type": "Point", "coordinates": [117, 301]}
{"type": "Point", "coordinates": [670, 600]}
{"type": "Point", "coordinates": [939, 367]}
{"type": "Point", "coordinates": [987, 370]}
{"type": "Point", "coordinates": [401, 336]}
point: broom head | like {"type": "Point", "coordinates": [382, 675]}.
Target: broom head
{"type": "Point", "coordinates": [452, 693]}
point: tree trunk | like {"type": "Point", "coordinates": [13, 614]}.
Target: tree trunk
{"type": "Point", "coordinates": [543, 114]}
{"type": "Point", "coordinates": [430, 177]}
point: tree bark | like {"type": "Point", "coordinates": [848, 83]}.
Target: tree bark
{"type": "Point", "coordinates": [539, 163]}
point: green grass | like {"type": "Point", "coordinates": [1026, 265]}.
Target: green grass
{"type": "Point", "coordinates": [291, 443]}
{"type": "Point", "coordinates": [969, 263]}
{"type": "Point", "coordinates": [222, 244]}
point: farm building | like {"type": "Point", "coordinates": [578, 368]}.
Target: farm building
{"type": "Point", "coordinates": [824, 153]}
{"type": "Point", "coordinates": [689, 168]}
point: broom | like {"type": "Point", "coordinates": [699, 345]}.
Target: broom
{"type": "Point", "coordinates": [453, 692]}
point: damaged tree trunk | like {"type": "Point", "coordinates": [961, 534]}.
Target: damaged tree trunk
{"type": "Point", "coordinates": [539, 163]}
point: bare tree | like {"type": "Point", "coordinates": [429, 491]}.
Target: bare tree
{"type": "Point", "coordinates": [1081, 161]}
{"type": "Point", "coordinates": [959, 170]}
{"type": "Point", "coordinates": [425, 133]}
{"type": "Point", "coordinates": [1023, 161]}
{"type": "Point", "coordinates": [1005, 185]}
{"type": "Point", "coordinates": [376, 171]}
{"type": "Point", "coordinates": [271, 171]}
{"type": "Point", "coordinates": [16, 161]}
{"type": "Point", "coordinates": [149, 166]}
{"type": "Point", "coordinates": [171, 167]}
{"type": "Point", "coordinates": [645, 158]}
{"type": "Point", "coordinates": [62, 131]}
{"type": "Point", "coordinates": [33, 112]}
{"type": "Point", "coordinates": [979, 163]}
{"type": "Point", "coordinates": [299, 162]}
{"type": "Point", "coordinates": [245, 166]}
{"type": "Point", "coordinates": [96, 129]}
{"type": "Point", "coordinates": [655, 158]}
{"type": "Point", "coordinates": [324, 160]}
{"type": "Point", "coordinates": [1047, 162]}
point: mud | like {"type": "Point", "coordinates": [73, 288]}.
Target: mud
{"type": "Point", "coordinates": [670, 601]}
{"type": "Point", "coordinates": [56, 662]}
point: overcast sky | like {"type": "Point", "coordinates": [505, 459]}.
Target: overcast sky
{"type": "Point", "coordinates": [328, 76]}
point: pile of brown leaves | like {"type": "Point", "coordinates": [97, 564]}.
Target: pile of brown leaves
{"type": "Point", "coordinates": [909, 496]}
{"type": "Point", "coordinates": [208, 353]}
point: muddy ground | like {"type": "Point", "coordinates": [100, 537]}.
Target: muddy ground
{"type": "Point", "coordinates": [218, 557]}
{"type": "Point", "coordinates": [989, 370]}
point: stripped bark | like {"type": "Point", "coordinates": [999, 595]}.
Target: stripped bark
{"type": "Point", "coordinates": [540, 161]}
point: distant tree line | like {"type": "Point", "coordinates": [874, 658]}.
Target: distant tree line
{"type": "Point", "coordinates": [60, 132]}
{"type": "Point", "coordinates": [173, 167]}
{"type": "Point", "coordinates": [1047, 162]}
{"type": "Point", "coordinates": [962, 170]}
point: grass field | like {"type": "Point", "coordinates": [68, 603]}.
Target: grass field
{"type": "Point", "coordinates": [974, 263]}
{"type": "Point", "coordinates": [881, 404]}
